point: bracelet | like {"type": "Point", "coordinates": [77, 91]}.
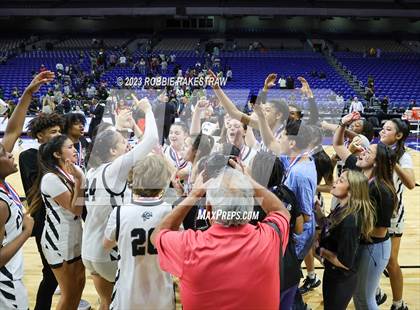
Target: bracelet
{"type": "Point", "coordinates": [341, 124]}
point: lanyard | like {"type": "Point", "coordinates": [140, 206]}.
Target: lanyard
{"type": "Point", "coordinates": [276, 134]}
{"type": "Point", "coordinates": [180, 163]}
{"type": "Point", "coordinates": [293, 163]}
{"type": "Point", "coordinates": [68, 176]}
{"type": "Point", "coordinates": [79, 155]}
{"type": "Point", "coordinates": [278, 131]}
{"type": "Point", "coordinates": [11, 193]}
{"type": "Point", "coordinates": [188, 185]}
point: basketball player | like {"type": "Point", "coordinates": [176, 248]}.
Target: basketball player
{"type": "Point", "coordinates": [174, 152]}
{"type": "Point", "coordinates": [60, 185]}
{"type": "Point", "coordinates": [140, 283]}
{"type": "Point", "coordinates": [15, 227]}
{"type": "Point", "coordinates": [275, 111]}
{"type": "Point", "coordinates": [394, 133]}
{"type": "Point", "coordinates": [106, 189]}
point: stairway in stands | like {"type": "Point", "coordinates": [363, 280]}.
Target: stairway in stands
{"type": "Point", "coordinates": [347, 75]}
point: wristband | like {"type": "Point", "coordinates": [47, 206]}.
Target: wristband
{"type": "Point", "coordinates": [341, 124]}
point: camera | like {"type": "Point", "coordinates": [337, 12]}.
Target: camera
{"type": "Point", "coordinates": [215, 164]}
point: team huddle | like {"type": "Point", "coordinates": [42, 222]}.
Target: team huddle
{"type": "Point", "coordinates": [126, 209]}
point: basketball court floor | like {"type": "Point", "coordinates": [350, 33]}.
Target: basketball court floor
{"type": "Point", "coordinates": [409, 254]}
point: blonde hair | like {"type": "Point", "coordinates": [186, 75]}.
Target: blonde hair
{"type": "Point", "coordinates": [150, 176]}
{"type": "Point", "coordinates": [359, 204]}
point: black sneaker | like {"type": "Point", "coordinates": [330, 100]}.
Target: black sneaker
{"type": "Point", "coordinates": [380, 298]}
{"type": "Point", "coordinates": [403, 307]}
{"type": "Point", "coordinates": [309, 284]}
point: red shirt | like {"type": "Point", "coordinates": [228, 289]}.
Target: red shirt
{"type": "Point", "coordinates": [226, 267]}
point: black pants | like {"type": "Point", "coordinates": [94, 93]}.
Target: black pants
{"type": "Point", "coordinates": [337, 289]}
{"type": "Point", "coordinates": [48, 284]}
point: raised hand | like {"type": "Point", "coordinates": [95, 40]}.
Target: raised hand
{"type": "Point", "coordinates": [176, 183]}
{"type": "Point", "coordinates": [238, 165]}
{"type": "Point", "coordinates": [258, 110]}
{"type": "Point", "coordinates": [212, 79]}
{"type": "Point", "coordinates": [306, 90]}
{"type": "Point", "coordinates": [203, 103]}
{"type": "Point", "coordinates": [123, 119]}
{"type": "Point", "coordinates": [199, 187]}
{"type": "Point", "coordinates": [73, 170]}
{"type": "Point", "coordinates": [39, 80]}
{"type": "Point", "coordinates": [143, 104]}
{"type": "Point", "coordinates": [356, 145]}
{"type": "Point", "coordinates": [350, 118]}
{"type": "Point", "coordinates": [270, 81]}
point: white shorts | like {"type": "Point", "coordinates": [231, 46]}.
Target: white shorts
{"type": "Point", "coordinates": [13, 295]}
{"type": "Point", "coordinates": [397, 226]}
{"type": "Point", "coordinates": [56, 257]}
{"type": "Point", "coordinates": [68, 248]}
{"type": "Point", "coordinates": [106, 270]}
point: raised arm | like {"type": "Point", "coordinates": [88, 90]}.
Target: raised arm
{"type": "Point", "coordinates": [229, 106]}
{"type": "Point", "coordinates": [195, 128]}
{"type": "Point", "coordinates": [266, 133]}
{"type": "Point", "coordinates": [332, 127]}
{"type": "Point", "coordinates": [268, 201]}
{"type": "Point", "coordinates": [338, 139]}
{"type": "Point", "coordinates": [313, 108]}
{"type": "Point", "coordinates": [174, 219]}
{"type": "Point", "coordinates": [16, 121]}
{"type": "Point", "coordinates": [250, 138]}
{"type": "Point", "coordinates": [121, 166]}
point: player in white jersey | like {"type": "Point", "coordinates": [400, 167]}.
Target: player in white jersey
{"type": "Point", "coordinates": [60, 183]}
{"type": "Point", "coordinates": [394, 133]}
{"type": "Point", "coordinates": [140, 283]}
{"type": "Point", "coordinates": [174, 152]}
{"type": "Point", "coordinates": [15, 228]}
{"type": "Point", "coordinates": [276, 111]}
{"type": "Point", "coordinates": [235, 135]}
{"type": "Point", "coordinates": [107, 189]}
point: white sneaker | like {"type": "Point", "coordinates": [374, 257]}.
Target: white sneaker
{"type": "Point", "coordinates": [83, 305]}
{"type": "Point", "coordinates": [57, 291]}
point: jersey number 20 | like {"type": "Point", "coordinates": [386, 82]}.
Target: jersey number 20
{"type": "Point", "coordinates": [138, 246]}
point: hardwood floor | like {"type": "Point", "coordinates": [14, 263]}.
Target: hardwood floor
{"type": "Point", "coordinates": [409, 254]}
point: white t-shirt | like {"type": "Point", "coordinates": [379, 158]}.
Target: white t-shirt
{"type": "Point", "coordinates": [140, 282]}
{"type": "Point", "coordinates": [356, 106]}
{"type": "Point", "coordinates": [282, 82]}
